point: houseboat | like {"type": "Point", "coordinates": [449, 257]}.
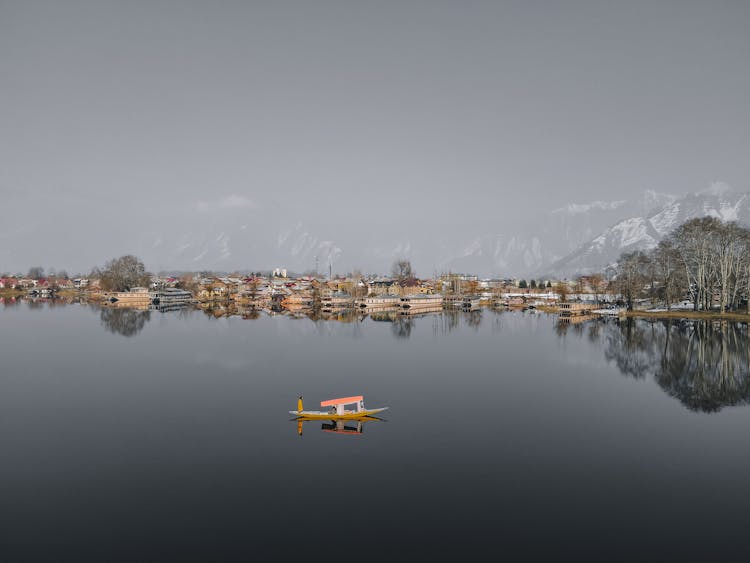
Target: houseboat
{"type": "Point", "coordinates": [470, 303]}
{"type": "Point", "coordinates": [574, 309]}
{"type": "Point", "coordinates": [337, 301]}
{"type": "Point", "coordinates": [378, 302]}
{"type": "Point", "coordinates": [172, 296]}
{"type": "Point", "coordinates": [453, 301]}
{"type": "Point", "coordinates": [412, 302]}
{"type": "Point", "coordinates": [136, 296]}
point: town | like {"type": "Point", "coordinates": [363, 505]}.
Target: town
{"type": "Point", "coordinates": [338, 297]}
{"type": "Point", "coordinates": [702, 268]}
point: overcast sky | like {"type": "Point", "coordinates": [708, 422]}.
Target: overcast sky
{"type": "Point", "coordinates": [124, 118]}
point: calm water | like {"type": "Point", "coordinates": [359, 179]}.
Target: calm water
{"type": "Point", "coordinates": [147, 436]}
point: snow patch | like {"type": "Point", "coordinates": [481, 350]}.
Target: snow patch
{"type": "Point", "coordinates": [664, 222]}
{"type": "Point", "coordinates": [226, 203]}
{"type": "Point", "coordinates": [578, 208]}
{"type": "Point", "coordinates": [473, 249]}
{"type": "Point", "coordinates": [631, 232]}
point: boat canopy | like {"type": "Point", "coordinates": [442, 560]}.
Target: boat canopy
{"type": "Point", "coordinates": [342, 401]}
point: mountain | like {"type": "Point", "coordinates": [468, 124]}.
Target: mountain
{"type": "Point", "coordinates": [576, 238]}
{"type": "Point", "coordinates": [645, 231]}
{"type": "Point", "coordinates": [229, 236]}
{"type": "Point", "coordinates": [548, 239]}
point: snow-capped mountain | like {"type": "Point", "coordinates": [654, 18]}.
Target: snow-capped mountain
{"type": "Point", "coordinates": [547, 238]}
{"type": "Point", "coordinates": [644, 232]}
{"type": "Point", "coordinates": [575, 238]}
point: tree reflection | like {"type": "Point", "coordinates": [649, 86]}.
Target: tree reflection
{"type": "Point", "coordinates": [631, 349]}
{"type": "Point", "coordinates": [127, 322]}
{"type": "Point", "coordinates": [402, 327]}
{"type": "Point", "coordinates": [705, 365]}
{"type": "Point", "coordinates": [474, 319]}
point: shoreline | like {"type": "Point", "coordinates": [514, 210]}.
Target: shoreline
{"type": "Point", "coordinates": [689, 315]}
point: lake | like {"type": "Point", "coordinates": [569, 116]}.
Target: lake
{"type": "Point", "coordinates": [153, 436]}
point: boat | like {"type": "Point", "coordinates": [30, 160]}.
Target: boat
{"type": "Point", "coordinates": [421, 301]}
{"type": "Point", "coordinates": [172, 296]}
{"type": "Point", "coordinates": [470, 303]}
{"type": "Point", "coordinates": [337, 409]}
{"type": "Point", "coordinates": [378, 302]}
{"type": "Point", "coordinates": [136, 296]}
{"type": "Point", "coordinates": [336, 301]}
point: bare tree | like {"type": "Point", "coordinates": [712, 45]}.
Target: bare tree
{"type": "Point", "coordinates": [123, 273]}
{"type": "Point", "coordinates": [668, 270]}
{"type": "Point", "coordinates": [693, 243]}
{"type": "Point", "coordinates": [705, 258]}
{"type": "Point", "coordinates": [402, 271]}
{"type": "Point", "coordinates": [35, 272]}
{"type": "Point", "coordinates": [632, 276]}
{"type": "Point", "coordinates": [729, 248]}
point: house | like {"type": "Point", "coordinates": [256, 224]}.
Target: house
{"type": "Point", "coordinates": [382, 286]}
{"type": "Point", "coordinates": [62, 283]}
{"type": "Point", "coordinates": [8, 283]}
{"type": "Point", "coordinates": [213, 289]}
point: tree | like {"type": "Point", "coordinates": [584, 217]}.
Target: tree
{"type": "Point", "coordinates": [533, 284]}
{"type": "Point", "coordinates": [522, 284]}
{"type": "Point", "coordinates": [596, 281]}
{"type": "Point", "coordinates": [729, 248]}
{"type": "Point", "coordinates": [632, 275]}
{"type": "Point", "coordinates": [35, 273]}
{"type": "Point", "coordinates": [668, 271]}
{"type": "Point", "coordinates": [693, 242]}
{"type": "Point", "coordinates": [123, 273]}
{"type": "Point", "coordinates": [402, 271]}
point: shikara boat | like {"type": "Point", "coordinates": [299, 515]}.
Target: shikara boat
{"type": "Point", "coordinates": [337, 409]}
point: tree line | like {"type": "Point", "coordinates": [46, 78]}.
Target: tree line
{"type": "Point", "coordinates": [704, 260]}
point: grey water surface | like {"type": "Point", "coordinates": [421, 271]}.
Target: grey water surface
{"type": "Point", "coordinates": [155, 436]}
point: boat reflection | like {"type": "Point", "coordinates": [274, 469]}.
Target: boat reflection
{"type": "Point", "coordinates": [351, 426]}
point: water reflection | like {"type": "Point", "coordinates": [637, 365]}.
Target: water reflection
{"type": "Point", "coordinates": [703, 364]}
{"type": "Point", "coordinates": [124, 321]}
{"type": "Point", "coordinates": [402, 327]}
{"type": "Point", "coordinates": [350, 426]}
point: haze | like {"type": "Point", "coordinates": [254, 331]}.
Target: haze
{"type": "Point", "coordinates": [354, 132]}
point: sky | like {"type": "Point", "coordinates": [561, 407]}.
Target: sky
{"type": "Point", "coordinates": [244, 134]}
